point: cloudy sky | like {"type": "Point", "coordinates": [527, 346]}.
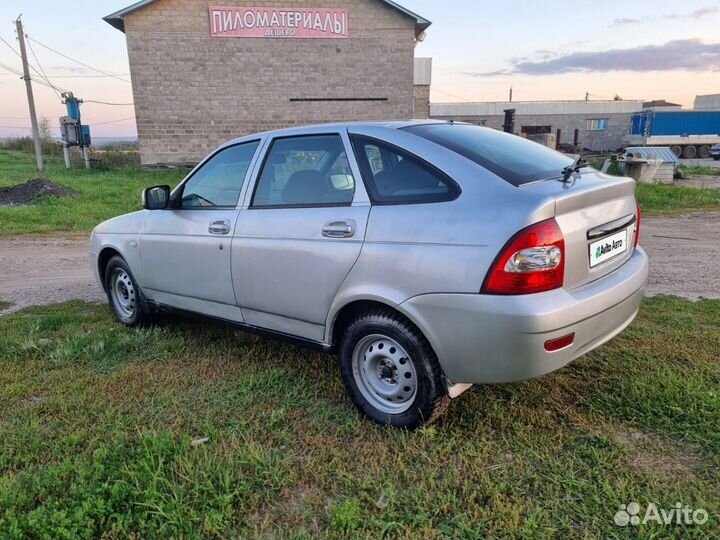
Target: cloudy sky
{"type": "Point", "coordinates": [554, 49]}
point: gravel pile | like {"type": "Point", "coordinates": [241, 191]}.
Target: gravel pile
{"type": "Point", "coordinates": [26, 193]}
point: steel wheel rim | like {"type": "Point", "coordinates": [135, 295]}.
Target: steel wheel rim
{"type": "Point", "coordinates": [384, 373]}
{"type": "Point", "coordinates": [123, 293]}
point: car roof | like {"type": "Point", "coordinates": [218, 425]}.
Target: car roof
{"type": "Point", "coordinates": [336, 126]}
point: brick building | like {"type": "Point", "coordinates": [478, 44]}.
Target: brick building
{"type": "Point", "coordinates": [594, 125]}
{"type": "Point", "coordinates": [202, 74]}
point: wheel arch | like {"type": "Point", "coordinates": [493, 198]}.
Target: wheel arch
{"type": "Point", "coordinates": [355, 307]}
{"type": "Point", "coordinates": [106, 253]}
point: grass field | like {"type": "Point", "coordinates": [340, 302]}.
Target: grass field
{"type": "Point", "coordinates": [100, 194]}
{"type": "Point", "coordinates": [98, 421]}
{"type": "Point", "coordinates": [105, 194]}
{"type": "Point", "coordinates": [699, 170]}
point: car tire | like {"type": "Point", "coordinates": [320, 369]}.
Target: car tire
{"type": "Point", "coordinates": [126, 299]}
{"type": "Point", "coordinates": [391, 372]}
{"type": "Point", "coordinates": [716, 158]}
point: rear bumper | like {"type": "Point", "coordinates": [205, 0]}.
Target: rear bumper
{"type": "Point", "coordinates": [491, 339]}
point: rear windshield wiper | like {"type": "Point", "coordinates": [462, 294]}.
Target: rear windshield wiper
{"type": "Point", "coordinates": [568, 171]}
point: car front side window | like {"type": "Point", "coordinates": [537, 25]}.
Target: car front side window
{"type": "Point", "coordinates": [217, 184]}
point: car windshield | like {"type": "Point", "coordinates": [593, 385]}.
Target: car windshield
{"type": "Point", "coordinates": [512, 158]}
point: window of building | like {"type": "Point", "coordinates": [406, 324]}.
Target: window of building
{"type": "Point", "coordinates": [305, 171]}
{"type": "Point", "coordinates": [394, 176]}
{"type": "Point", "coordinates": [535, 130]}
{"type": "Point", "coordinates": [597, 124]}
{"type": "Point", "coordinates": [219, 181]}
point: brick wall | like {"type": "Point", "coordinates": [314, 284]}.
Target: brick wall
{"type": "Point", "coordinates": [193, 92]}
{"type": "Point", "coordinates": [422, 101]}
{"type": "Point", "coordinates": [598, 140]}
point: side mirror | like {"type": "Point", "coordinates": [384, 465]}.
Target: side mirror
{"type": "Point", "coordinates": [156, 198]}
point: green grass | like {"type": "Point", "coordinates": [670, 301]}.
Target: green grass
{"type": "Point", "coordinates": [98, 421]}
{"type": "Point", "coordinates": [100, 194]}
{"type": "Point", "coordinates": [661, 199]}
{"type": "Point", "coordinates": [698, 170]}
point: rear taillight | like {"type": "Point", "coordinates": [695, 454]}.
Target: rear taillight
{"type": "Point", "coordinates": [532, 261]}
{"type": "Point", "coordinates": [637, 224]}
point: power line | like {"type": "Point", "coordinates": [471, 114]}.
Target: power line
{"type": "Point", "coordinates": [12, 70]}
{"type": "Point", "coordinates": [112, 121]}
{"type": "Point", "coordinates": [78, 61]}
{"type": "Point", "coordinates": [435, 89]}
{"type": "Point", "coordinates": [9, 46]}
{"type": "Point", "coordinates": [107, 103]}
{"type": "Point", "coordinates": [58, 92]}
{"type": "Point", "coordinates": [20, 56]}
{"type": "Point", "coordinates": [3, 66]}
{"type": "Point", "coordinates": [81, 76]}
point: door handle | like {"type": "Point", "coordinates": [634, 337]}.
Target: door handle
{"type": "Point", "coordinates": [342, 228]}
{"type": "Point", "coordinates": [220, 227]}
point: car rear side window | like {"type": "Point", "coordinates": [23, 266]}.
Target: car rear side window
{"type": "Point", "coordinates": [393, 176]}
{"type": "Point", "coordinates": [310, 170]}
{"type": "Point", "coordinates": [512, 158]}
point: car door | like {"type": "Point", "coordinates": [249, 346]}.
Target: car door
{"type": "Point", "coordinates": [185, 250]}
{"type": "Point", "coordinates": [299, 233]}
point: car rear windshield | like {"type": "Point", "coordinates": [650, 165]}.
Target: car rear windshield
{"type": "Point", "coordinates": [510, 157]}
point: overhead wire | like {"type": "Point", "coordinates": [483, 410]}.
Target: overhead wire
{"type": "Point", "coordinates": [77, 61]}
{"type": "Point", "coordinates": [20, 56]}
{"type": "Point", "coordinates": [435, 89]}
{"type": "Point", "coordinates": [42, 82]}
{"type": "Point", "coordinates": [58, 91]}
{"type": "Point", "coordinates": [107, 103]}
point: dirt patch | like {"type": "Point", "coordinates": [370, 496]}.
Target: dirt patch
{"type": "Point", "coordinates": [45, 270]}
{"type": "Point", "coordinates": [679, 248]}
{"type": "Point", "coordinates": [32, 189]}
{"type": "Point", "coordinates": [650, 453]}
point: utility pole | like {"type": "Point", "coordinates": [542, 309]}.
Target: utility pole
{"type": "Point", "coordinates": [31, 100]}
{"type": "Point", "coordinates": [511, 94]}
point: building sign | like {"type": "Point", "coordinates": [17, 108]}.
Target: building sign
{"type": "Point", "coordinates": [252, 22]}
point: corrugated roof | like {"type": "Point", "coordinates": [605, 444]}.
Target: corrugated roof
{"type": "Point", "coordinates": [652, 152]}
{"type": "Point", "coordinates": [116, 19]}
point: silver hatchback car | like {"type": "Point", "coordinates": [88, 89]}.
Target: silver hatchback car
{"type": "Point", "coordinates": [429, 256]}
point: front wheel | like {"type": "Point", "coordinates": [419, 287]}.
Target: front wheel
{"type": "Point", "coordinates": [124, 295]}
{"type": "Point", "coordinates": [391, 372]}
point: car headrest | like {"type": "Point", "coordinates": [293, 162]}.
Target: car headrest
{"type": "Point", "coordinates": [408, 175]}
{"type": "Point", "coordinates": [305, 187]}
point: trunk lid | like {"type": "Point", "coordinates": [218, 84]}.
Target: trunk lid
{"type": "Point", "coordinates": [593, 210]}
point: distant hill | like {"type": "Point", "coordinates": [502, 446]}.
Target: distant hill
{"type": "Point", "coordinates": [100, 142]}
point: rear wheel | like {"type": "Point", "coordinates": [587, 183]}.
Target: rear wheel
{"type": "Point", "coordinates": [391, 372]}
{"type": "Point", "coordinates": [704, 151]}
{"type": "Point", "coordinates": [676, 149]}
{"type": "Point", "coordinates": [689, 152]}
{"type": "Point", "coordinates": [124, 295]}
